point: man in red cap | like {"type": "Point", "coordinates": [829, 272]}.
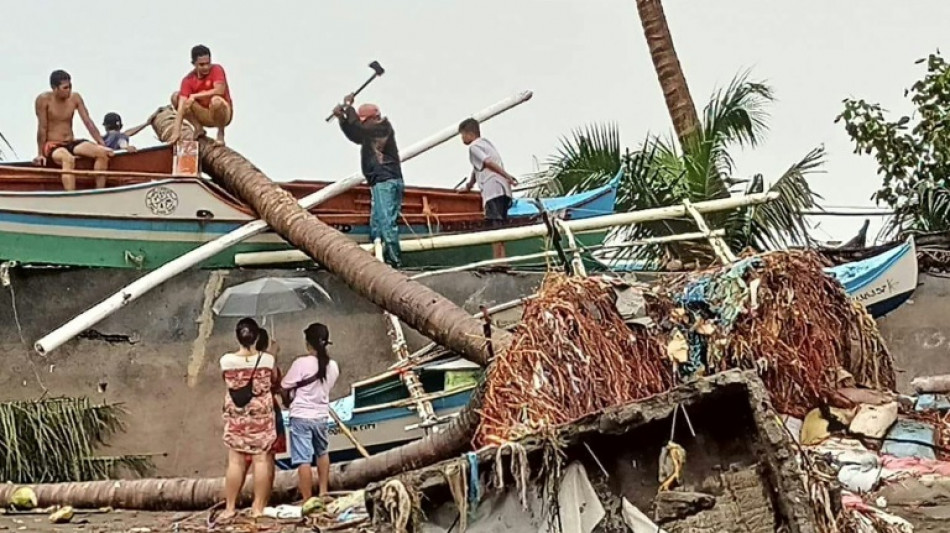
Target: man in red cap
{"type": "Point", "coordinates": [379, 161]}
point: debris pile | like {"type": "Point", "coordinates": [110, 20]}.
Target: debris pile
{"type": "Point", "coordinates": [776, 313]}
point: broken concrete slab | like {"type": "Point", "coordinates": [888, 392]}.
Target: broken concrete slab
{"type": "Point", "coordinates": [750, 455]}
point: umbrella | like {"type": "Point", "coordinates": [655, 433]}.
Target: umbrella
{"type": "Point", "coordinates": [269, 296]}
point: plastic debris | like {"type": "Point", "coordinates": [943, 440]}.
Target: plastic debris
{"type": "Point", "coordinates": [910, 438]}
{"type": "Point", "coordinates": [874, 420]}
{"type": "Point", "coordinates": [814, 428]}
{"type": "Point", "coordinates": [932, 402]}
{"type": "Point", "coordinates": [313, 505]}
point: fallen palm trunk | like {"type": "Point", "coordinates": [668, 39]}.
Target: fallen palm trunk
{"type": "Point", "coordinates": [418, 306]}
{"type": "Point", "coordinates": [196, 494]}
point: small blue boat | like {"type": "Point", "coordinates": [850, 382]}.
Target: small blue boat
{"type": "Point", "coordinates": [883, 282]}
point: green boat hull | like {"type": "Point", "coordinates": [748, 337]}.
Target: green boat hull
{"type": "Point", "coordinates": [148, 255]}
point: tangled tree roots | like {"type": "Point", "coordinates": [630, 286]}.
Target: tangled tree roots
{"type": "Point", "coordinates": [572, 355]}
{"type": "Point", "coordinates": [778, 313]}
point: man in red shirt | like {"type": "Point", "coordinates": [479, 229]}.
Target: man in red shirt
{"type": "Point", "coordinates": [204, 98]}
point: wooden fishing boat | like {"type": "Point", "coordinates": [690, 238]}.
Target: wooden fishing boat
{"type": "Point", "coordinates": [147, 215]}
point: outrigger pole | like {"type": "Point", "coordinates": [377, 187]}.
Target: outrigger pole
{"type": "Point", "coordinates": [578, 226]}
{"type": "Point", "coordinates": [133, 291]}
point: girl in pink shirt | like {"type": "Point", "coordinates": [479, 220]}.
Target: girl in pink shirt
{"type": "Point", "coordinates": [311, 378]}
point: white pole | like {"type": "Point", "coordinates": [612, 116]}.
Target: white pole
{"type": "Point", "coordinates": [584, 225]}
{"type": "Point", "coordinates": [551, 253]}
{"type": "Point", "coordinates": [176, 266]}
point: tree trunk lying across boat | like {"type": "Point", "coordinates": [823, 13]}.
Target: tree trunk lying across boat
{"type": "Point", "coordinates": [415, 304]}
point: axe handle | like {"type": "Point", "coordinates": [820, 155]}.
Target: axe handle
{"type": "Point", "coordinates": [358, 91]}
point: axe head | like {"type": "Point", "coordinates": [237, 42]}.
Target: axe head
{"type": "Point", "coordinates": [377, 68]}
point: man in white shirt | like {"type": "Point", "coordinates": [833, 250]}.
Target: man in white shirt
{"type": "Point", "coordinates": [494, 181]}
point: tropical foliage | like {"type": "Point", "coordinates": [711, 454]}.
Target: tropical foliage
{"type": "Point", "coordinates": [912, 152]}
{"type": "Point", "coordinates": [55, 439]}
{"type": "Point", "coordinates": [661, 173]}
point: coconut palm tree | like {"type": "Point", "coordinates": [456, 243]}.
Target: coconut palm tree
{"type": "Point", "coordinates": [668, 69]}
{"type": "Point", "coordinates": [659, 173]}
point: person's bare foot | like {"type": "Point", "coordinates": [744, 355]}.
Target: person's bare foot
{"type": "Point", "coordinates": [225, 516]}
{"type": "Point", "coordinates": [219, 139]}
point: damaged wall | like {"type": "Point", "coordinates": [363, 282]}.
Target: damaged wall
{"type": "Point", "coordinates": [918, 332]}
{"type": "Point", "coordinates": [159, 355]}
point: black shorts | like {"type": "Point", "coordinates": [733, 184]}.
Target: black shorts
{"type": "Point", "coordinates": [496, 209]}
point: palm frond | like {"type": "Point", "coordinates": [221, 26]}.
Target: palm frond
{"type": "Point", "coordinates": [926, 210]}
{"type": "Point", "coordinates": [587, 158]}
{"type": "Point", "coordinates": [55, 439]}
{"type": "Point", "coordinates": [779, 223]}
{"type": "Point", "coordinates": [737, 114]}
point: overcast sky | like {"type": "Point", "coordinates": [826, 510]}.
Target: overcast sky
{"type": "Point", "coordinates": [289, 62]}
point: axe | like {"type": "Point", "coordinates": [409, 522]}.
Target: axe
{"type": "Point", "coordinates": [377, 72]}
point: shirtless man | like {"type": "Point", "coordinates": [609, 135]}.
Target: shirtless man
{"type": "Point", "coordinates": [54, 132]}
{"type": "Point", "coordinates": [204, 98]}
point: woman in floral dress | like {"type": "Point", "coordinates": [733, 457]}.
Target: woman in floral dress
{"type": "Point", "coordinates": [249, 425]}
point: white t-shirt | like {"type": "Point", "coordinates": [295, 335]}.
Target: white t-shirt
{"type": "Point", "coordinates": [490, 183]}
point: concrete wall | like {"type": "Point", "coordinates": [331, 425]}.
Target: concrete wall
{"type": "Point", "coordinates": [918, 333]}
{"type": "Point", "coordinates": [155, 359]}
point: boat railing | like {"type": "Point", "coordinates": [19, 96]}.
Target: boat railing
{"type": "Point", "coordinates": [117, 173]}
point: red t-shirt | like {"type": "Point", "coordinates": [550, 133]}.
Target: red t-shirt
{"type": "Point", "coordinates": [192, 84]}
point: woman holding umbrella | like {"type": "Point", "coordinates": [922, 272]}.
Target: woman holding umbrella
{"type": "Point", "coordinates": [249, 424]}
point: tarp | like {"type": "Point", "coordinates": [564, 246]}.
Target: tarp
{"type": "Point", "coordinates": [580, 509]}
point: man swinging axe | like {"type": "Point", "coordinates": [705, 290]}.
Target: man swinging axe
{"type": "Point", "coordinates": [379, 162]}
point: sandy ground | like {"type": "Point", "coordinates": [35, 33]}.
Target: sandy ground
{"type": "Point", "coordinates": [142, 522]}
